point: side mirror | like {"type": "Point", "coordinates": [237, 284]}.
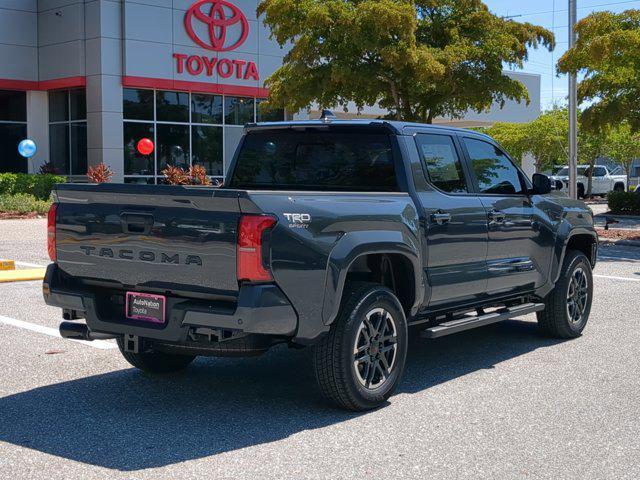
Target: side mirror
{"type": "Point", "coordinates": [541, 184]}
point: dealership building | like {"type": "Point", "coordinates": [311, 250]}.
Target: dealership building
{"type": "Point", "coordinates": [88, 79]}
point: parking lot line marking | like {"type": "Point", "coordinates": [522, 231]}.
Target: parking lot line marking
{"type": "Point", "coordinates": [52, 332]}
{"type": "Point", "coordinates": [30, 265]}
{"type": "Point", "coordinates": [625, 279]}
{"type": "Point", "coordinates": [22, 275]}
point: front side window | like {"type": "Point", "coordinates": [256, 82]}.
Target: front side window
{"type": "Point", "coordinates": [443, 164]}
{"type": "Point", "coordinates": [599, 172]}
{"type": "Point", "coordinates": [316, 160]}
{"type": "Point", "coordinates": [68, 131]}
{"type": "Point", "coordinates": [492, 168]}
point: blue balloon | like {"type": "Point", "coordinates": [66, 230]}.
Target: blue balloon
{"type": "Point", "coordinates": [27, 148]}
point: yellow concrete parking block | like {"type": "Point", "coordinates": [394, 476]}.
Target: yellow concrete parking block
{"type": "Point", "coordinates": [22, 275]}
{"type": "Point", "coordinates": [7, 265]}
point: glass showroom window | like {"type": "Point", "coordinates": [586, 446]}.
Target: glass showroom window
{"type": "Point", "coordinates": [68, 132]}
{"type": "Point", "coordinates": [13, 129]}
{"type": "Point", "coordinates": [186, 128]}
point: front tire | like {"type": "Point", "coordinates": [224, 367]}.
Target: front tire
{"type": "Point", "coordinates": [154, 361]}
{"type": "Point", "coordinates": [568, 305]}
{"type": "Point", "coordinates": [359, 364]}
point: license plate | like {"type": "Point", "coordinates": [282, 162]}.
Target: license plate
{"type": "Point", "coordinates": [145, 307]}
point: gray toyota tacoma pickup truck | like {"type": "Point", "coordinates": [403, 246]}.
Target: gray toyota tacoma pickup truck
{"type": "Point", "coordinates": [338, 235]}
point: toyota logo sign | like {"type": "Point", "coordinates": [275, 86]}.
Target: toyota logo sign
{"type": "Point", "coordinates": [209, 23]}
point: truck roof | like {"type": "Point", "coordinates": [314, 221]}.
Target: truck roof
{"type": "Point", "coordinates": [396, 127]}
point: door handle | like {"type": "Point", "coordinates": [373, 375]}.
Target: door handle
{"type": "Point", "coordinates": [440, 217]}
{"type": "Point", "coordinates": [496, 216]}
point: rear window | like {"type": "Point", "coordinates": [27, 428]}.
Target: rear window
{"type": "Point", "coordinates": [315, 160]}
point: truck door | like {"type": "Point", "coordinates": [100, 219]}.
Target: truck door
{"type": "Point", "coordinates": [519, 242]}
{"type": "Point", "coordinates": [601, 181]}
{"type": "Point", "coordinates": [456, 224]}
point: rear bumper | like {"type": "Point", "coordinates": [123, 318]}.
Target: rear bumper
{"type": "Point", "coordinates": [260, 309]}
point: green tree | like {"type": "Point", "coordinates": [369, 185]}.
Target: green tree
{"type": "Point", "coordinates": [591, 146]}
{"type": "Point", "coordinates": [544, 138]}
{"type": "Point", "coordinates": [624, 147]}
{"type": "Point", "coordinates": [514, 137]}
{"type": "Point", "coordinates": [607, 53]}
{"type": "Point", "coordinates": [548, 137]}
{"type": "Point", "coordinates": [419, 59]}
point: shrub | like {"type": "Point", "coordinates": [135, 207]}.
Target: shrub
{"type": "Point", "coordinates": [49, 168]}
{"type": "Point", "coordinates": [38, 186]}
{"type": "Point", "coordinates": [100, 173]}
{"type": "Point", "coordinates": [196, 175]}
{"type": "Point", "coordinates": [624, 203]}
{"type": "Point", "coordinates": [176, 175]}
{"type": "Point", "coordinates": [23, 203]}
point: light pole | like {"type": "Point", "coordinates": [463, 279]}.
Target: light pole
{"type": "Point", "coordinates": [573, 110]}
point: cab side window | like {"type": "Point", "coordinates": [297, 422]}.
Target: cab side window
{"type": "Point", "coordinates": [443, 165]}
{"type": "Point", "coordinates": [493, 170]}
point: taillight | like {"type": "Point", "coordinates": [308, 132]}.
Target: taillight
{"type": "Point", "coordinates": [250, 232]}
{"type": "Point", "coordinates": [51, 232]}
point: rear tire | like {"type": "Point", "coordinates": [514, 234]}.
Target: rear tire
{"type": "Point", "coordinates": [568, 305]}
{"type": "Point", "coordinates": [155, 362]}
{"type": "Point", "coordinates": [359, 364]}
{"type": "Point", "coordinates": [618, 187]}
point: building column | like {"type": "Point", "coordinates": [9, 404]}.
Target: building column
{"type": "Point", "coordinates": [103, 49]}
{"type": "Point", "coordinates": [38, 127]}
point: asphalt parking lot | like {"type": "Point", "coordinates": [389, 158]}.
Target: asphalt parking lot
{"type": "Point", "coordinates": [497, 402]}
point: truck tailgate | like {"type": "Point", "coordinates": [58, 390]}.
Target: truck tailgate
{"type": "Point", "coordinates": [146, 236]}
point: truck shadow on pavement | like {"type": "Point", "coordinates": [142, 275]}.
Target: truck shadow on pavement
{"type": "Point", "coordinates": [128, 421]}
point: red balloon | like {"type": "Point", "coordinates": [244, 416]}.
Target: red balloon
{"type": "Point", "coordinates": [145, 146]}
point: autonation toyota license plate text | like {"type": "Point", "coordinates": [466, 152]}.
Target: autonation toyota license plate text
{"type": "Point", "coordinates": [145, 307]}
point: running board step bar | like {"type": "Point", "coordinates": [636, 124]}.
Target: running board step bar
{"type": "Point", "coordinates": [467, 322]}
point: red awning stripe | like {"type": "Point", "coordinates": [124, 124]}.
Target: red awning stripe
{"type": "Point", "coordinates": [201, 87]}
{"type": "Point", "coordinates": [55, 84]}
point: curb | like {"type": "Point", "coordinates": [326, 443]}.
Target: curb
{"type": "Point", "coordinates": [22, 275]}
{"type": "Point", "coordinates": [7, 265]}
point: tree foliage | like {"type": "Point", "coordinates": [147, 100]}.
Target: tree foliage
{"type": "Point", "coordinates": [623, 146]}
{"type": "Point", "coordinates": [419, 59]}
{"type": "Point", "coordinates": [512, 136]}
{"type": "Point", "coordinates": [607, 53]}
{"type": "Point", "coordinates": [544, 138]}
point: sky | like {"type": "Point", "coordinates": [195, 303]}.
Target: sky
{"type": "Point", "coordinates": [541, 12]}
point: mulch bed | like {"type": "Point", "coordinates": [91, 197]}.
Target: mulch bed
{"type": "Point", "coordinates": [619, 234]}
{"type": "Point", "coordinates": [16, 215]}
